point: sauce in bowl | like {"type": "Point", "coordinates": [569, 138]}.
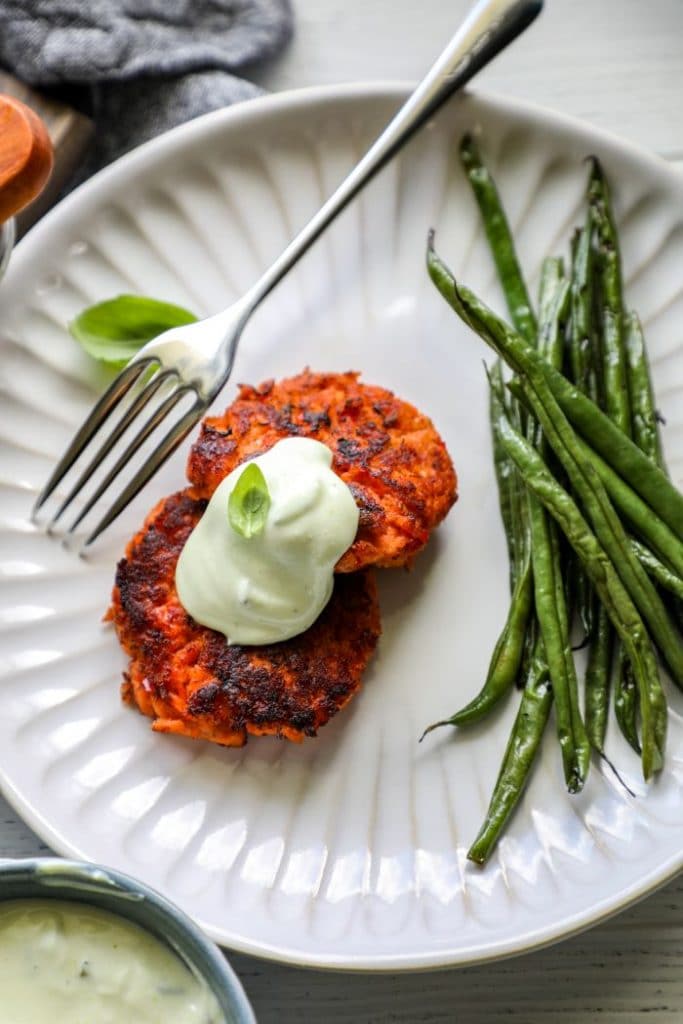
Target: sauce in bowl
{"type": "Point", "coordinates": [72, 963]}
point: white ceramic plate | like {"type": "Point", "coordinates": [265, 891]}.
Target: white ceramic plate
{"type": "Point", "coordinates": [347, 851]}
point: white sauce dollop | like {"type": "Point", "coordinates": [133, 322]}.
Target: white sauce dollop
{"type": "Point", "coordinates": [272, 586]}
{"type": "Point", "coordinates": [68, 963]}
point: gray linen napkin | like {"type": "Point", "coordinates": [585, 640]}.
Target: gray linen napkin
{"type": "Point", "coordinates": [143, 65]}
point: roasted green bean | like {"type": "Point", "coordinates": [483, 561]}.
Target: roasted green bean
{"type": "Point", "coordinates": [500, 239]}
{"type": "Point", "coordinates": [594, 618]}
{"type": "Point", "coordinates": [587, 485]}
{"type": "Point", "coordinates": [505, 661]}
{"type": "Point", "coordinates": [507, 477]}
{"type": "Point", "coordinates": [616, 392]}
{"type": "Point", "coordinates": [659, 572]}
{"type": "Point", "coordinates": [597, 677]}
{"type": "Point", "coordinates": [643, 410]}
{"type": "Point", "coordinates": [626, 700]}
{"type": "Point", "coordinates": [552, 617]}
{"type": "Point", "coordinates": [581, 350]}
{"type": "Point", "coordinates": [649, 525]}
{"type": "Point", "coordinates": [553, 301]}
{"type": "Point", "coordinates": [581, 473]}
{"type": "Point", "coordinates": [618, 451]}
{"type": "Point", "coordinates": [507, 655]}
{"type": "Point", "coordinates": [581, 340]}
{"type": "Point", "coordinates": [549, 593]}
{"type": "Point", "coordinates": [622, 611]}
{"type": "Point", "coordinates": [598, 431]}
{"type": "Point", "coordinates": [637, 513]}
{"type": "Point", "coordinates": [519, 754]}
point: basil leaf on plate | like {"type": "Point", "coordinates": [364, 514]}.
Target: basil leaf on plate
{"type": "Point", "coordinates": [249, 502]}
{"type": "Point", "coordinates": [114, 330]}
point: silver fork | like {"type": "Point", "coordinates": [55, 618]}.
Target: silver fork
{"type": "Point", "coordinates": [198, 358]}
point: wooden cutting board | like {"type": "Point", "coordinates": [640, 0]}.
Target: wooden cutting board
{"type": "Point", "coordinates": [70, 133]}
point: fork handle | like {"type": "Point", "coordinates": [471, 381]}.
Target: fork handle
{"type": "Point", "coordinates": [488, 28]}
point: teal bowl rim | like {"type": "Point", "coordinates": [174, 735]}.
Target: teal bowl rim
{"type": "Point", "coordinates": [55, 878]}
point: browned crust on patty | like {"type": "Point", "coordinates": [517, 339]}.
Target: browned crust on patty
{"type": "Point", "coordinates": [388, 453]}
{"type": "Point", "coordinates": [190, 681]}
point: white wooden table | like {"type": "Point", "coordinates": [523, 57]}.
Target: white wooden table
{"type": "Point", "coordinates": [618, 64]}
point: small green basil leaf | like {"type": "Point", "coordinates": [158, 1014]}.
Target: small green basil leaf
{"type": "Point", "coordinates": [114, 330]}
{"type": "Point", "coordinates": [249, 502]}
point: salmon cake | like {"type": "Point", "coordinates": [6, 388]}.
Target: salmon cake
{"type": "Point", "coordinates": [191, 681]}
{"type": "Point", "coordinates": [387, 452]}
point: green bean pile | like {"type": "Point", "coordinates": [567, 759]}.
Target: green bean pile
{"type": "Point", "coordinates": [594, 526]}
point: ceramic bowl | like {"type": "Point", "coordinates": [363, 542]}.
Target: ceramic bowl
{"type": "Point", "coordinates": [53, 878]}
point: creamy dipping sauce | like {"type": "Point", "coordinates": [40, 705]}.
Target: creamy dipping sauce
{"type": "Point", "coordinates": [271, 586]}
{"type": "Point", "coordinates": [70, 963]}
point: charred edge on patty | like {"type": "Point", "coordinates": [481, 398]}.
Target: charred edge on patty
{"type": "Point", "coordinates": [190, 681]}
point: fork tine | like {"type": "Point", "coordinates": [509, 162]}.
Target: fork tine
{"type": "Point", "coordinates": [103, 407]}
{"type": "Point", "coordinates": [150, 425]}
{"type": "Point", "coordinates": [169, 444]}
{"type": "Point", "coordinates": [135, 407]}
